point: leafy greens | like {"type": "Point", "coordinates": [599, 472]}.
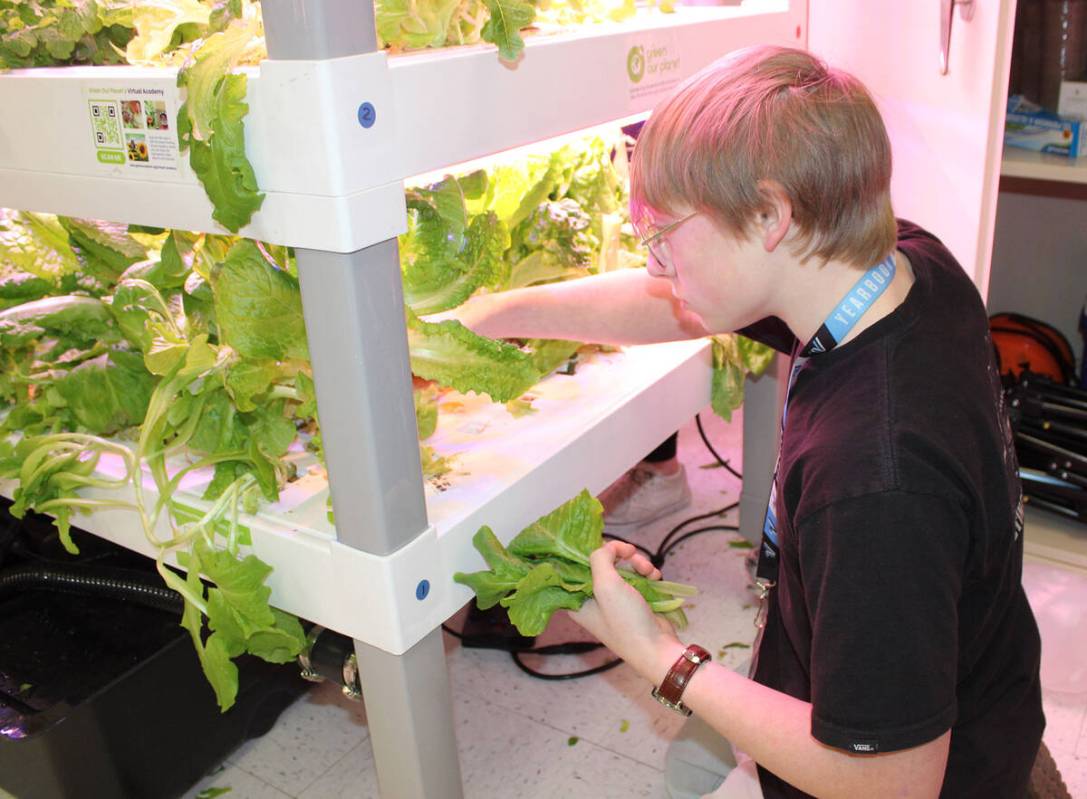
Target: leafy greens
{"type": "Point", "coordinates": [546, 568]}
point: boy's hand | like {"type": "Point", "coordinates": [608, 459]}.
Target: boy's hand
{"type": "Point", "coordinates": [621, 618]}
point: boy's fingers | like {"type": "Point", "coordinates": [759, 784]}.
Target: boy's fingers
{"type": "Point", "coordinates": [645, 567]}
{"type": "Point", "coordinates": [621, 550]}
{"type": "Point", "coordinates": [602, 561]}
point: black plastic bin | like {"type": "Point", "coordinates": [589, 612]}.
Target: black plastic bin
{"type": "Point", "coordinates": [102, 697]}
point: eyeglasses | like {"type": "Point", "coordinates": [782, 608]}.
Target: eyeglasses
{"type": "Point", "coordinates": [658, 245]}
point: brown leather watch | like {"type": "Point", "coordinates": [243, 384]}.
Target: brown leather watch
{"type": "Point", "coordinates": [671, 690]}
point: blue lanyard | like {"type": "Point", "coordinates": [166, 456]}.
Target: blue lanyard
{"type": "Point", "coordinates": [841, 320]}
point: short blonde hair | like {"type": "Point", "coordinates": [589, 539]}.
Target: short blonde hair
{"type": "Point", "coordinates": [773, 114]}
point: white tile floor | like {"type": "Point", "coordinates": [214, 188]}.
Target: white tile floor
{"type": "Point", "coordinates": [516, 735]}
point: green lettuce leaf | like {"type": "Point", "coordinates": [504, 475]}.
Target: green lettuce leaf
{"type": "Point", "coordinates": [537, 597]}
{"type": "Point", "coordinates": [280, 643]}
{"type": "Point", "coordinates": [155, 24]}
{"type": "Point", "coordinates": [18, 287]}
{"type": "Point", "coordinates": [36, 244]}
{"type": "Point", "coordinates": [504, 26]}
{"type": "Point", "coordinates": [249, 379]}
{"type": "Point", "coordinates": [75, 319]}
{"type": "Point", "coordinates": [214, 60]}
{"type": "Point", "coordinates": [45, 32]}
{"type": "Point", "coordinates": [258, 307]}
{"type": "Point", "coordinates": [415, 24]}
{"type": "Point", "coordinates": [734, 358]}
{"type": "Point", "coordinates": [435, 282]}
{"type": "Point", "coordinates": [108, 393]}
{"type": "Point", "coordinates": [215, 655]}
{"type": "Point", "coordinates": [105, 249]}
{"type": "Point", "coordinates": [452, 355]}
{"type": "Point", "coordinates": [433, 464]}
{"type": "Point", "coordinates": [572, 531]}
{"type": "Point", "coordinates": [549, 354]}
{"type": "Point", "coordinates": [546, 568]}
{"type": "Point", "coordinates": [211, 124]}
{"type": "Point", "coordinates": [504, 573]}
{"type": "Point", "coordinates": [541, 267]}
{"type": "Point", "coordinates": [426, 411]}
{"type": "Point", "coordinates": [219, 428]}
{"type": "Point", "coordinates": [220, 161]}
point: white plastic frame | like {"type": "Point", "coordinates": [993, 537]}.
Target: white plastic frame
{"type": "Point", "coordinates": [331, 183]}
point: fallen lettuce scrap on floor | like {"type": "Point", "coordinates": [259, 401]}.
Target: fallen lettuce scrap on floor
{"type": "Point", "coordinates": [546, 568]}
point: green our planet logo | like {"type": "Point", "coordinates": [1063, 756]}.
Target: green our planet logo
{"type": "Point", "coordinates": [636, 63]}
{"type": "Point", "coordinates": [653, 63]}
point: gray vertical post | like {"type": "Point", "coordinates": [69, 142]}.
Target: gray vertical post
{"type": "Point", "coordinates": [763, 400]}
{"type": "Point", "coordinates": [304, 30]}
{"type": "Point", "coordinates": [353, 307]}
{"type": "Point", "coordinates": [354, 310]}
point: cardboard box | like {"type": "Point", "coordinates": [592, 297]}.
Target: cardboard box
{"type": "Point", "coordinates": [1073, 100]}
{"type": "Point", "coordinates": [1031, 129]}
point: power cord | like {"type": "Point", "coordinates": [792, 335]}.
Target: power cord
{"type": "Point", "coordinates": [666, 547]}
{"type": "Point", "coordinates": [724, 464]}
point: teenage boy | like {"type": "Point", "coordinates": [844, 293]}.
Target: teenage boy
{"type": "Point", "coordinates": [898, 654]}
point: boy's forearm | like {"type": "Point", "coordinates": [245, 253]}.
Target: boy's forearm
{"type": "Point", "coordinates": [774, 729]}
{"type": "Point", "coordinates": [626, 307]}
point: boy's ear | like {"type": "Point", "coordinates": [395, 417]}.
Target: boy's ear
{"type": "Point", "coordinates": [774, 219]}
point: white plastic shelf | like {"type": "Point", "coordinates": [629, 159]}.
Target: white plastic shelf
{"type": "Point", "coordinates": [331, 183]}
{"type": "Point", "coordinates": [1020, 163]}
{"type": "Point", "coordinates": [587, 429]}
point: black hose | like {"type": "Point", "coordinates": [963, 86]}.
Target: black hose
{"type": "Point", "coordinates": [128, 586]}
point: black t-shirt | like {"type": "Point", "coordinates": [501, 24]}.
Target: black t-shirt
{"type": "Point", "coordinates": [899, 611]}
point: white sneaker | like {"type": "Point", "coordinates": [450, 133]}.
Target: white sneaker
{"type": "Point", "coordinates": [643, 495]}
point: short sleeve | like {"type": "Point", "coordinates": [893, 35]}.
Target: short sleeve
{"type": "Point", "coordinates": [882, 576]}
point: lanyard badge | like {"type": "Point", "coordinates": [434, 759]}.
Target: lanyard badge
{"type": "Point", "coordinates": [836, 327]}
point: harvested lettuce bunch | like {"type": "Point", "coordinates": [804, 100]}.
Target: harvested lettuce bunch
{"type": "Point", "coordinates": [546, 568]}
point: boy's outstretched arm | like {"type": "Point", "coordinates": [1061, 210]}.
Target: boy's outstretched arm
{"type": "Point", "coordinates": [625, 307]}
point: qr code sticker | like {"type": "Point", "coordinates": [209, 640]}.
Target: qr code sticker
{"type": "Point", "coordinates": [106, 125]}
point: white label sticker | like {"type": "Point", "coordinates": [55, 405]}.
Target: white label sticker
{"type": "Point", "coordinates": [133, 130]}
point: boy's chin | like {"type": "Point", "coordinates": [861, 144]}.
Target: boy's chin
{"type": "Point", "coordinates": [692, 319]}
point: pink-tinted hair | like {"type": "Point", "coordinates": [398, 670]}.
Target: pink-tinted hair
{"type": "Point", "coordinates": [772, 114]}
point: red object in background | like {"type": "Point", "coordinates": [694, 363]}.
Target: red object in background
{"type": "Point", "coordinates": [1025, 344]}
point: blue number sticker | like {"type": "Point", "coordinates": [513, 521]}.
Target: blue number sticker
{"type": "Point", "coordinates": [367, 115]}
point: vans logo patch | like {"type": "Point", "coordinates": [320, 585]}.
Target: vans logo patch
{"type": "Point", "coordinates": [866, 747]}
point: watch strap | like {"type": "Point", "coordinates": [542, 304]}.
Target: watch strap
{"type": "Point", "coordinates": [670, 691]}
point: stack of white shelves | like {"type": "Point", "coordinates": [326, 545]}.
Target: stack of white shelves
{"type": "Point", "coordinates": [333, 141]}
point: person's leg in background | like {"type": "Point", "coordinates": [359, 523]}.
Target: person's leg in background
{"type": "Point", "coordinates": [654, 488]}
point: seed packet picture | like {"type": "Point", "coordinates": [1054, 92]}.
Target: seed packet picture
{"type": "Point", "coordinates": [137, 149]}
{"type": "Point", "coordinates": [155, 115]}
{"type": "Point", "coordinates": [132, 114]}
